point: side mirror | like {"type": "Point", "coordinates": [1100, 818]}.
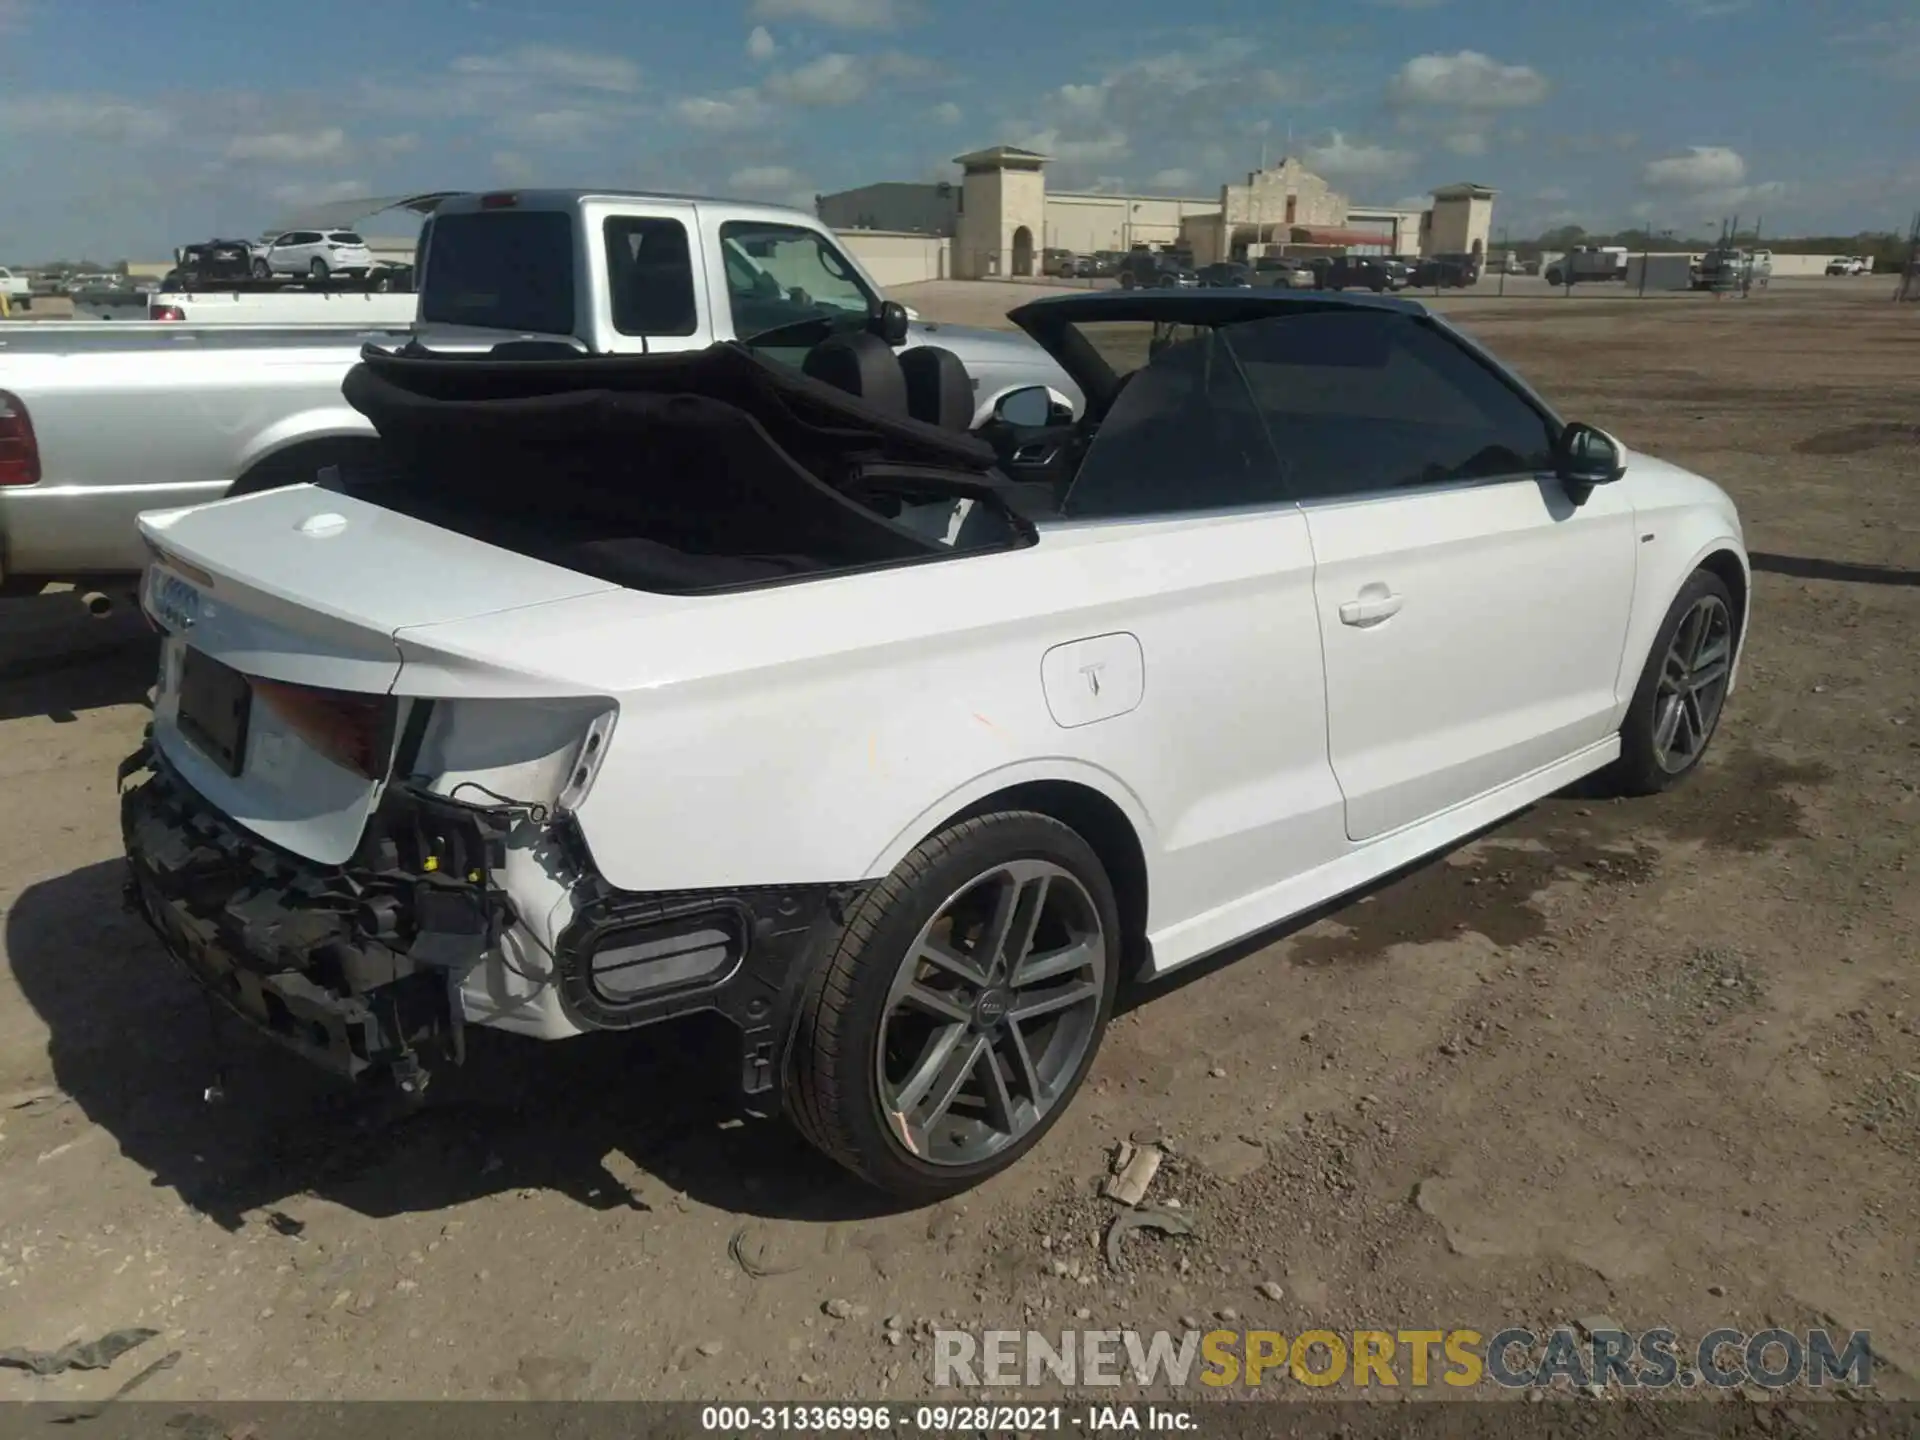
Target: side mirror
{"type": "Point", "coordinates": [891, 322]}
{"type": "Point", "coordinates": [1026, 409]}
{"type": "Point", "coordinates": [1584, 457]}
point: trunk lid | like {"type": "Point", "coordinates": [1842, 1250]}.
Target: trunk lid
{"type": "Point", "coordinates": [305, 587]}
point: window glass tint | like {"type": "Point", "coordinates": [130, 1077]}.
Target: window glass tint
{"type": "Point", "coordinates": [650, 276]}
{"type": "Point", "coordinates": [1181, 435]}
{"type": "Point", "coordinates": [501, 270]}
{"type": "Point", "coordinates": [345, 237]}
{"type": "Point", "coordinates": [1363, 400]}
{"type": "Point", "coordinates": [779, 274]}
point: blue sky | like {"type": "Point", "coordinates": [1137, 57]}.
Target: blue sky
{"type": "Point", "coordinates": [130, 126]}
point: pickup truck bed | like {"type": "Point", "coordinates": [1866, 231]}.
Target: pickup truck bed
{"type": "Point", "coordinates": [138, 416]}
{"type": "Point", "coordinates": [127, 418]}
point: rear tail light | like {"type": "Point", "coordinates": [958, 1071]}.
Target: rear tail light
{"type": "Point", "coordinates": [354, 731]}
{"type": "Point", "coordinates": [500, 200]}
{"type": "Point", "coordinates": [19, 450]}
{"type": "Point", "coordinates": [165, 312]}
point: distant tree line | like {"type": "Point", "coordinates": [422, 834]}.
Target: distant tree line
{"type": "Point", "coordinates": [1887, 249]}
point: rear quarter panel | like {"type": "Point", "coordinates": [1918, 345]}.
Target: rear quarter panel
{"type": "Point", "coordinates": [815, 733]}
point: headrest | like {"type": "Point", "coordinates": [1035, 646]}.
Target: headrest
{"type": "Point", "coordinates": [860, 363]}
{"type": "Point", "coordinates": [939, 390]}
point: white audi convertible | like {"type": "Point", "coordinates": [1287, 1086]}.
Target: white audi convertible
{"type": "Point", "coordinates": [629, 687]}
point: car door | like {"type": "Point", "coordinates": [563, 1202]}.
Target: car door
{"type": "Point", "coordinates": [1472, 615]}
{"type": "Point", "coordinates": [654, 287]}
{"type": "Point", "coordinates": [1228, 749]}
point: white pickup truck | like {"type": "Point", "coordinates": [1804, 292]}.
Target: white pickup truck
{"type": "Point", "coordinates": [99, 422]}
{"type": "Point", "coordinates": [18, 289]}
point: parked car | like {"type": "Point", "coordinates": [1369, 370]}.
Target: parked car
{"type": "Point", "coordinates": [212, 261]}
{"type": "Point", "coordinates": [1362, 272]}
{"type": "Point", "coordinates": [119, 417]}
{"type": "Point", "coordinates": [1849, 265]}
{"type": "Point", "coordinates": [966, 741]}
{"type": "Point", "coordinates": [1285, 272]}
{"type": "Point", "coordinates": [1150, 270]}
{"type": "Point", "coordinates": [1227, 275]}
{"type": "Point", "coordinates": [318, 253]}
{"type": "Point", "coordinates": [1057, 262]}
{"type": "Point", "coordinates": [1443, 272]}
{"type": "Point", "coordinates": [17, 288]}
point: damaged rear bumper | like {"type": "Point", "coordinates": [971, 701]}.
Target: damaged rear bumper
{"type": "Point", "coordinates": [373, 966]}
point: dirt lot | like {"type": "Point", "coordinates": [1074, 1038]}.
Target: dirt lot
{"type": "Point", "coordinates": [1657, 1060]}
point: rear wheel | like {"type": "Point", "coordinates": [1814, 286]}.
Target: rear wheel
{"type": "Point", "coordinates": [962, 1008]}
{"type": "Point", "coordinates": [1683, 689]}
{"type": "Point", "coordinates": [261, 271]}
{"type": "Point", "coordinates": [318, 270]}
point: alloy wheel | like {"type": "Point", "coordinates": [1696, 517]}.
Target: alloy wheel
{"type": "Point", "coordinates": [1693, 684]}
{"type": "Point", "coordinates": [991, 1013]}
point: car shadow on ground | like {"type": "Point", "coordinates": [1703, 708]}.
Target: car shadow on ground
{"type": "Point", "coordinates": [1807, 567]}
{"type": "Point", "coordinates": [609, 1120]}
{"type": "Point", "coordinates": [57, 659]}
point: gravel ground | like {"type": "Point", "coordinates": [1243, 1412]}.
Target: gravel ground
{"type": "Point", "coordinates": [1658, 1060]}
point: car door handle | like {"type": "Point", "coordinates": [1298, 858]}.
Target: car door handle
{"type": "Point", "coordinates": [1371, 610]}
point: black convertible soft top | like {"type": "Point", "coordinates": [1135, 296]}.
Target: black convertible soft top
{"type": "Point", "coordinates": [682, 471]}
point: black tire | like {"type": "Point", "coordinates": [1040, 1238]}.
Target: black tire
{"type": "Point", "coordinates": [319, 270]}
{"type": "Point", "coordinates": [1126, 280]}
{"type": "Point", "coordinates": [262, 270]}
{"type": "Point", "coordinates": [1639, 770]}
{"type": "Point", "coordinates": [832, 1094]}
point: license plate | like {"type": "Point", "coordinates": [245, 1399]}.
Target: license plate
{"type": "Point", "coordinates": [215, 705]}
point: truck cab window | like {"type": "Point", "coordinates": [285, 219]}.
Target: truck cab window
{"type": "Point", "coordinates": [650, 276]}
{"type": "Point", "coordinates": [779, 274]}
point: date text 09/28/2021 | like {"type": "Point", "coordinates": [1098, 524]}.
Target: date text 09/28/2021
{"type": "Point", "coordinates": [944, 1419]}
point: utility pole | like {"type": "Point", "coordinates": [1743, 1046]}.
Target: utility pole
{"type": "Point", "coordinates": [1504, 253]}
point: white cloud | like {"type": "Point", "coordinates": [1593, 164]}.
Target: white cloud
{"type": "Point", "coordinates": [736, 110]}
{"type": "Point", "coordinates": [13, 16]}
{"type": "Point", "coordinates": [1467, 80]}
{"type": "Point", "coordinates": [556, 65]}
{"type": "Point", "coordinates": [290, 147]}
{"type": "Point", "coordinates": [513, 167]}
{"type": "Point", "coordinates": [1552, 195]}
{"type": "Point", "coordinates": [1703, 167]}
{"type": "Point", "coordinates": [1706, 176]}
{"type": "Point", "coordinates": [391, 147]}
{"type": "Point", "coordinates": [1710, 9]}
{"type": "Point", "coordinates": [846, 14]}
{"type": "Point", "coordinates": [832, 79]}
{"type": "Point", "coordinates": [85, 117]}
{"type": "Point", "coordinates": [1341, 159]}
{"type": "Point", "coordinates": [763, 177]}
{"type": "Point", "coordinates": [1465, 142]}
{"type": "Point", "coordinates": [1891, 47]}
{"type": "Point", "coordinates": [1200, 108]}
{"type": "Point", "coordinates": [320, 192]}
{"type": "Point", "coordinates": [562, 127]}
{"type": "Point", "coordinates": [761, 45]}
{"type": "Point", "coordinates": [945, 113]}
{"type": "Point", "coordinates": [1091, 149]}
{"type": "Point", "coordinates": [1177, 177]}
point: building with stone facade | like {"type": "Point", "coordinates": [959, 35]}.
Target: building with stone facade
{"type": "Point", "coordinates": [1001, 218]}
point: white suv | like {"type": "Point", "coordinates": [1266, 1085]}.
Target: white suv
{"type": "Point", "coordinates": [318, 253]}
